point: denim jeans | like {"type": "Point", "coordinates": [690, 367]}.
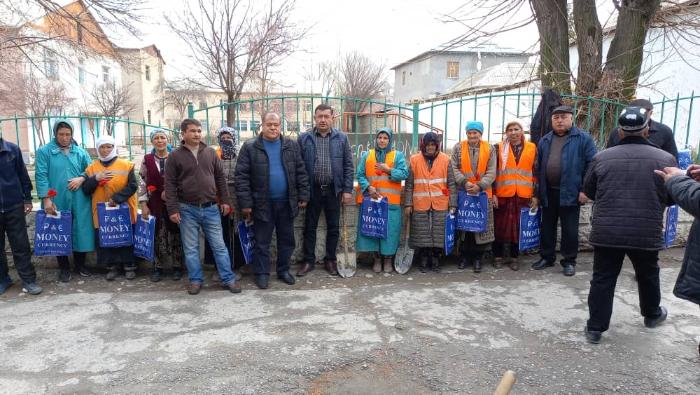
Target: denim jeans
{"type": "Point", "coordinates": [191, 219]}
{"type": "Point", "coordinates": [13, 223]}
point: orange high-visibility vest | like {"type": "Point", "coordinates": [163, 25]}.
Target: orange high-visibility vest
{"type": "Point", "coordinates": [120, 169]}
{"type": "Point", "coordinates": [385, 187]}
{"type": "Point", "coordinates": [466, 164]}
{"type": "Point", "coordinates": [430, 185]}
{"type": "Point", "coordinates": [517, 178]}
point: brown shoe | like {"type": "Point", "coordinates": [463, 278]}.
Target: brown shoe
{"type": "Point", "coordinates": [194, 288]}
{"type": "Point", "coordinates": [388, 265]}
{"type": "Point", "coordinates": [234, 287]}
{"type": "Point", "coordinates": [305, 268]}
{"type": "Point", "coordinates": [377, 267]}
{"type": "Point", "coordinates": [331, 267]}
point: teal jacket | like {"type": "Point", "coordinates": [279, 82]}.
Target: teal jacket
{"type": "Point", "coordinates": [53, 170]}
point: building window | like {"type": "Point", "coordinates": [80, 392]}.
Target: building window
{"type": "Point", "coordinates": [50, 65]}
{"type": "Point", "coordinates": [452, 69]}
{"type": "Point", "coordinates": [307, 106]}
{"type": "Point", "coordinates": [81, 72]}
{"type": "Point", "coordinates": [254, 125]}
{"type": "Point", "coordinates": [148, 115]}
{"type": "Point", "coordinates": [202, 105]}
{"type": "Point", "coordinates": [403, 78]}
{"type": "Point", "coordinates": [148, 73]}
{"type": "Point", "coordinates": [241, 125]}
{"type": "Point", "coordinates": [105, 74]}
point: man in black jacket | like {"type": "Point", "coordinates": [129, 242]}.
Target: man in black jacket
{"type": "Point", "coordinates": [271, 186]}
{"type": "Point", "coordinates": [629, 203]}
{"type": "Point", "coordinates": [659, 134]}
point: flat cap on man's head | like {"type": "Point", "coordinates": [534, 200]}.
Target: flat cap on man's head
{"type": "Point", "coordinates": [643, 103]}
{"type": "Point", "coordinates": [563, 110]}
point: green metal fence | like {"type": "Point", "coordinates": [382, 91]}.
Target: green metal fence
{"type": "Point", "coordinates": [33, 130]}
{"type": "Point", "coordinates": [360, 117]}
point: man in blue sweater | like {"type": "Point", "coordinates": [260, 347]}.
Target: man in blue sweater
{"type": "Point", "coordinates": [271, 186]}
{"type": "Point", "coordinates": [15, 203]}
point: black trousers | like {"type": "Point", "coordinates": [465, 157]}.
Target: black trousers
{"type": "Point", "coordinates": [78, 261]}
{"type": "Point", "coordinates": [14, 224]}
{"type": "Point", "coordinates": [607, 263]}
{"type": "Point", "coordinates": [281, 222]}
{"type": "Point", "coordinates": [327, 201]}
{"type": "Point", "coordinates": [568, 215]}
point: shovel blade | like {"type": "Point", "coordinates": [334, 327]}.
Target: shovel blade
{"type": "Point", "coordinates": [402, 263]}
{"type": "Point", "coordinates": [347, 265]}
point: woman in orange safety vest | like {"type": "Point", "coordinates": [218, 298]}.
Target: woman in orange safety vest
{"type": "Point", "coordinates": [513, 190]}
{"type": "Point", "coordinates": [429, 193]}
{"type": "Point", "coordinates": [379, 174]}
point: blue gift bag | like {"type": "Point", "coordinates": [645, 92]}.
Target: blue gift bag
{"type": "Point", "coordinates": [450, 227]}
{"type": "Point", "coordinates": [472, 211]}
{"type": "Point", "coordinates": [144, 236]}
{"type": "Point", "coordinates": [529, 229]}
{"type": "Point", "coordinates": [374, 219]}
{"type": "Point", "coordinates": [114, 225]}
{"type": "Point", "coordinates": [684, 159]}
{"type": "Point", "coordinates": [53, 235]}
{"type": "Point", "coordinates": [247, 238]}
{"type": "Point", "coordinates": [671, 226]}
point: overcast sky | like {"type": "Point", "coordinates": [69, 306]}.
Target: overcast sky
{"type": "Point", "coordinates": [390, 31]}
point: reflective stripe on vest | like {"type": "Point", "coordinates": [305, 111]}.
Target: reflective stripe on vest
{"type": "Point", "coordinates": [382, 183]}
{"type": "Point", "coordinates": [429, 184]}
{"type": "Point", "coordinates": [481, 166]}
{"type": "Point", "coordinates": [517, 178]}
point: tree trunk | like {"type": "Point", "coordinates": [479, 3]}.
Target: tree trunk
{"type": "Point", "coordinates": [230, 109]}
{"type": "Point", "coordinates": [624, 59]}
{"type": "Point", "coordinates": [589, 44]}
{"type": "Point", "coordinates": [552, 24]}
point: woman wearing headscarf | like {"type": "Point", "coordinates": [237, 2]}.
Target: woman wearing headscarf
{"type": "Point", "coordinates": [151, 197]}
{"type": "Point", "coordinates": [513, 190]}
{"type": "Point", "coordinates": [430, 192]}
{"type": "Point", "coordinates": [228, 153]}
{"type": "Point", "coordinates": [60, 166]}
{"type": "Point", "coordinates": [379, 174]}
{"type": "Point", "coordinates": [112, 180]}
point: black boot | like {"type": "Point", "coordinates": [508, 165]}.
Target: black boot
{"type": "Point", "coordinates": [423, 261]}
{"type": "Point", "coordinates": [463, 262]}
{"type": "Point", "coordinates": [156, 275]}
{"type": "Point", "coordinates": [435, 262]}
{"type": "Point", "coordinates": [477, 265]}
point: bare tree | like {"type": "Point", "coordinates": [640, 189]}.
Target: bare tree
{"type": "Point", "coordinates": [230, 41]}
{"type": "Point", "coordinates": [43, 98]}
{"type": "Point", "coordinates": [361, 78]}
{"type": "Point", "coordinates": [112, 101]}
{"type": "Point", "coordinates": [179, 93]}
{"type": "Point", "coordinates": [325, 73]}
{"type": "Point", "coordinates": [36, 25]}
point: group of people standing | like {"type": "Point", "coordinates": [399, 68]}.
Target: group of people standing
{"type": "Point", "coordinates": [272, 177]}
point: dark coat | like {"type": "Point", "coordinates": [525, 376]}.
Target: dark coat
{"type": "Point", "coordinates": [542, 120]}
{"type": "Point", "coordinates": [659, 134]}
{"type": "Point", "coordinates": [15, 184]}
{"type": "Point", "coordinates": [342, 167]}
{"type": "Point", "coordinates": [629, 199]}
{"type": "Point", "coordinates": [686, 193]}
{"type": "Point", "coordinates": [577, 153]}
{"type": "Point", "coordinates": [252, 177]}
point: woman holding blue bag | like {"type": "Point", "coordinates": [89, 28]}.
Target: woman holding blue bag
{"type": "Point", "coordinates": [60, 166]}
{"type": "Point", "coordinates": [112, 180]}
{"type": "Point", "coordinates": [379, 174]}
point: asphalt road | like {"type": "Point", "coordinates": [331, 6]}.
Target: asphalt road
{"type": "Point", "coordinates": [452, 332]}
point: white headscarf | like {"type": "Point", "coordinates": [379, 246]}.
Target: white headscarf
{"type": "Point", "coordinates": [106, 139]}
{"type": "Point", "coordinates": [505, 149]}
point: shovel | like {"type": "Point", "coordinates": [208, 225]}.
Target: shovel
{"type": "Point", "coordinates": [348, 265]}
{"type": "Point", "coordinates": [404, 258]}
